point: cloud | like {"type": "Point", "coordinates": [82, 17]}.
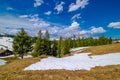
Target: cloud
{"type": "Point", "coordinates": [74, 26]}
{"type": "Point", "coordinates": [32, 24]}
{"type": "Point", "coordinates": [83, 32]}
{"type": "Point", "coordinates": [23, 16]}
{"type": "Point", "coordinates": [59, 7]}
{"type": "Point", "coordinates": [71, 30]}
{"type": "Point", "coordinates": [48, 12]}
{"type": "Point", "coordinates": [95, 30]}
{"type": "Point", "coordinates": [31, 18]}
{"type": "Point", "coordinates": [9, 9]}
{"type": "Point", "coordinates": [114, 25]}
{"type": "Point", "coordinates": [76, 16]}
{"type": "Point", "coordinates": [38, 3]}
{"type": "Point", "coordinates": [10, 24]}
{"type": "Point", "coordinates": [79, 4]}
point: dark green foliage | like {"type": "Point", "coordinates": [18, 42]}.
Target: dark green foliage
{"type": "Point", "coordinates": [47, 44]}
{"type": "Point", "coordinates": [63, 47]}
{"type": "Point", "coordinates": [42, 45]}
{"type": "Point", "coordinates": [21, 43]}
{"type": "Point", "coordinates": [102, 40]}
{"type": "Point", "coordinates": [59, 46]}
{"type": "Point", "coordinates": [38, 46]}
{"type": "Point", "coordinates": [54, 48]}
{"type": "Point", "coordinates": [110, 40]}
{"type": "Point", "coordinates": [33, 39]}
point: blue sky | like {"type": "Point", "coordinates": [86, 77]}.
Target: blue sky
{"type": "Point", "coordinates": [61, 17]}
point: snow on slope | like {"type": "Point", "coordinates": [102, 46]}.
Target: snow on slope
{"type": "Point", "coordinates": [6, 42]}
{"type": "Point", "coordinates": [1, 57]}
{"type": "Point", "coordinates": [76, 62]}
{"type": "Point", "coordinates": [79, 48]}
{"type": "Point", "coordinates": [2, 62]}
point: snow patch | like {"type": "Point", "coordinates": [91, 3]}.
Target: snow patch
{"type": "Point", "coordinates": [2, 62]}
{"type": "Point", "coordinates": [7, 56]}
{"type": "Point", "coordinates": [27, 56]}
{"type": "Point", "coordinates": [76, 62]}
{"type": "Point", "coordinates": [79, 48]}
{"type": "Point", "coordinates": [6, 43]}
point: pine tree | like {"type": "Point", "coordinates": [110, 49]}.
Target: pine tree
{"type": "Point", "coordinates": [110, 40]}
{"type": "Point", "coordinates": [54, 48]}
{"type": "Point", "coordinates": [96, 42]}
{"type": "Point", "coordinates": [102, 40]}
{"type": "Point", "coordinates": [64, 47]}
{"type": "Point", "coordinates": [82, 42]}
{"type": "Point", "coordinates": [78, 42]}
{"type": "Point", "coordinates": [22, 43]}
{"type": "Point", "coordinates": [38, 47]}
{"type": "Point", "coordinates": [47, 43]}
{"type": "Point", "coordinates": [59, 46]}
{"type": "Point", "coordinates": [90, 41]}
{"type": "Point", "coordinates": [47, 36]}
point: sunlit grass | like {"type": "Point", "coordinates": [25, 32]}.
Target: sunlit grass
{"type": "Point", "coordinates": [14, 69]}
{"type": "Point", "coordinates": [104, 49]}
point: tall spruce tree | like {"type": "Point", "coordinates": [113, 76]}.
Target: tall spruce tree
{"type": "Point", "coordinates": [22, 43]}
{"type": "Point", "coordinates": [64, 47]}
{"type": "Point", "coordinates": [38, 47]}
{"type": "Point", "coordinates": [47, 43]}
{"type": "Point", "coordinates": [110, 40]}
{"type": "Point", "coordinates": [54, 48]}
{"type": "Point", "coordinates": [90, 41]}
{"type": "Point", "coordinates": [59, 46]}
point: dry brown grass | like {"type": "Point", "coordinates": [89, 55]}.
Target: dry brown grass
{"type": "Point", "coordinates": [13, 70]}
{"type": "Point", "coordinates": [104, 49]}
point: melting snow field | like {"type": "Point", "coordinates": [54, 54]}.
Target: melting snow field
{"type": "Point", "coordinates": [79, 48]}
{"type": "Point", "coordinates": [76, 62]}
{"type": "Point", "coordinates": [6, 56]}
{"type": "Point", "coordinates": [6, 42]}
{"type": "Point", "coordinates": [2, 62]}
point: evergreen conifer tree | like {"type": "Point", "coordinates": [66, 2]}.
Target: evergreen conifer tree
{"type": "Point", "coordinates": [110, 40]}
{"type": "Point", "coordinates": [38, 47]}
{"type": "Point", "coordinates": [22, 43]}
{"type": "Point", "coordinates": [59, 46]}
{"type": "Point", "coordinates": [54, 48]}
{"type": "Point", "coordinates": [64, 47]}
{"type": "Point", "coordinates": [47, 43]}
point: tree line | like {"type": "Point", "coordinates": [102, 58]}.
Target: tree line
{"type": "Point", "coordinates": [42, 45]}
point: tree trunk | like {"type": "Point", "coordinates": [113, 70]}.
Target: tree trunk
{"type": "Point", "coordinates": [21, 56]}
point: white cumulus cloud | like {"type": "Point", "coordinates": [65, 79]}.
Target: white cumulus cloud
{"type": "Point", "coordinates": [48, 12]}
{"type": "Point", "coordinates": [59, 7]}
{"type": "Point", "coordinates": [79, 4]}
{"type": "Point", "coordinates": [114, 25]}
{"type": "Point", "coordinates": [38, 3]}
{"type": "Point", "coordinates": [74, 26]}
{"type": "Point", "coordinates": [97, 30]}
{"type": "Point", "coordinates": [33, 23]}
{"type": "Point", "coordinates": [71, 30]}
{"type": "Point", "coordinates": [76, 16]}
{"type": "Point", "coordinates": [23, 16]}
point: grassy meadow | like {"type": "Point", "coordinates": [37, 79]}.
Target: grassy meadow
{"type": "Point", "coordinates": [14, 69]}
{"type": "Point", "coordinates": [104, 49]}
